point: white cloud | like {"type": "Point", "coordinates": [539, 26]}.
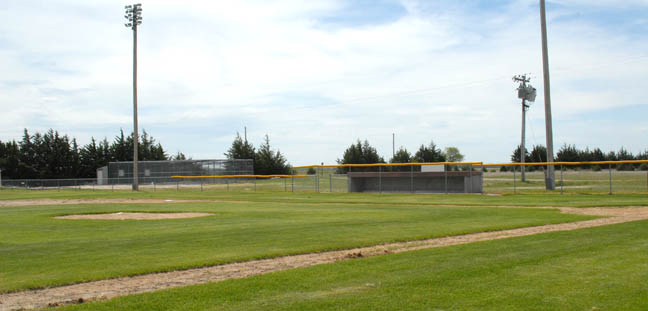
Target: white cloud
{"type": "Point", "coordinates": [208, 69]}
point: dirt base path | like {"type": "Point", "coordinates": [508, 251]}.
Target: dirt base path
{"type": "Point", "coordinates": [135, 216]}
{"type": "Point", "coordinates": [106, 289]}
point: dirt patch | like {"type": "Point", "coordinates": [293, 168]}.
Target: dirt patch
{"type": "Point", "coordinates": [4, 203]}
{"type": "Point", "coordinates": [106, 289]}
{"type": "Point", "coordinates": [136, 216]}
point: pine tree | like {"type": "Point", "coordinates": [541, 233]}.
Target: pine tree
{"type": "Point", "coordinates": [401, 156]}
{"type": "Point", "coordinates": [90, 159]}
{"type": "Point", "coordinates": [240, 149]}
{"type": "Point", "coordinates": [120, 150]}
{"type": "Point", "coordinates": [9, 160]}
{"type": "Point", "coordinates": [359, 153]}
{"type": "Point", "coordinates": [516, 158]}
{"type": "Point", "coordinates": [27, 158]}
{"type": "Point", "coordinates": [178, 157]}
{"type": "Point", "coordinates": [268, 162]}
{"type": "Point", "coordinates": [429, 154]}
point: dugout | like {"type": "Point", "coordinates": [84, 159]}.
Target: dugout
{"type": "Point", "coordinates": [416, 182]}
{"type": "Point", "coordinates": [161, 171]}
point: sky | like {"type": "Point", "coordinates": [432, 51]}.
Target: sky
{"type": "Point", "coordinates": [316, 76]}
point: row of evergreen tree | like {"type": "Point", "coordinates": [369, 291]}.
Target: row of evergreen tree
{"type": "Point", "coordinates": [52, 155]}
{"type": "Point", "coordinates": [364, 153]}
{"type": "Point", "coordinates": [266, 160]}
{"type": "Point", "coordinates": [569, 153]}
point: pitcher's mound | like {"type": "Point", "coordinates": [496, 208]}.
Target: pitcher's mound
{"type": "Point", "coordinates": [137, 216]}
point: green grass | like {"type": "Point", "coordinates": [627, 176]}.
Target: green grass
{"type": "Point", "coordinates": [37, 250]}
{"type": "Point", "coordinates": [507, 199]}
{"type": "Point", "coordinates": [604, 268]}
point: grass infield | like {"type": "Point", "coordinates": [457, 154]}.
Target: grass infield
{"type": "Point", "coordinates": [603, 268]}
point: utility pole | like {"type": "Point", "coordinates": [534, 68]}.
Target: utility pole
{"type": "Point", "coordinates": [134, 18]}
{"type": "Point", "coordinates": [550, 179]}
{"type": "Point", "coordinates": [526, 93]}
{"type": "Point", "coordinates": [245, 133]}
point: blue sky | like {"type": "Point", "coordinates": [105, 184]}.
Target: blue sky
{"type": "Point", "coordinates": [318, 75]}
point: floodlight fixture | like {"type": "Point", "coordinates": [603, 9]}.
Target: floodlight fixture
{"type": "Point", "coordinates": [133, 15]}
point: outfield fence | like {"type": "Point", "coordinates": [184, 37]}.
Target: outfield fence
{"type": "Point", "coordinates": [188, 183]}
{"type": "Point", "coordinates": [571, 177]}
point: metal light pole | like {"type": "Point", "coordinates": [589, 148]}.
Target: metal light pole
{"type": "Point", "coordinates": [134, 17]}
{"type": "Point", "coordinates": [550, 179]}
{"type": "Point", "coordinates": [393, 145]}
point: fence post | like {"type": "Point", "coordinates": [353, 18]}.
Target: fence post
{"type": "Point", "coordinates": [154, 186]}
{"type": "Point", "coordinates": [482, 177]}
{"type": "Point", "coordinates": [610, 172]}
{"type": "Point", "coordinates": [254, 184]}
{"type": "Point", "coordinates": [348, 181]}
{"type": "Point", "coordinates": [514, 181]}
{"type": "Point", "coordinates": [317, 181]}
{"type": "Point", "coordinates": [58, 185]}
{"type": "Point", "coordinates": [178, 185]}
{"type": "Point", "coordinates": [412, 178]}
{"type": "Point", "coordinates": [445, 174]}
{"type": "Point", "coordinates": [330, 183]}
{"type": "Point", "coordinates": [470, 177]}
{"type": "Point", "coordinates": [292, 183]}
{"type": "Point", "coordinates": [380, 179]}
{"type": "Point", "coordinates": [561, 179]}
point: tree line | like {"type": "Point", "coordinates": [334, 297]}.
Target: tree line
{"type": "Point", "coordinates": [363, 153]}
{"type": "Point", "coordinates": [269, 161]}
{"type": "Point", "coordinates": [52, 155]}
{"type": "Point", "coordinates": [569, 153]}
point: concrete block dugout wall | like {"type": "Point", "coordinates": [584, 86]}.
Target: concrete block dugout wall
{"type": "Point", "coordinates": [416, 182]}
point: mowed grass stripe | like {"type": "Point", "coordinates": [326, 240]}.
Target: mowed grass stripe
{"type": "Point", "coordinates": [603, 268]}
{"type": "Point", "coordinates": [531, 199]}
{"type": "Point", "coordinates": [40, 251]}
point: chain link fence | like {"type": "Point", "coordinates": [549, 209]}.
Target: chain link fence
{"type": "Point", "coordinates": [568, 179]}
{"type": "Point", "coordinates": [411, 178]}
{"type": "Point", "coordinates": [288, 184]}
